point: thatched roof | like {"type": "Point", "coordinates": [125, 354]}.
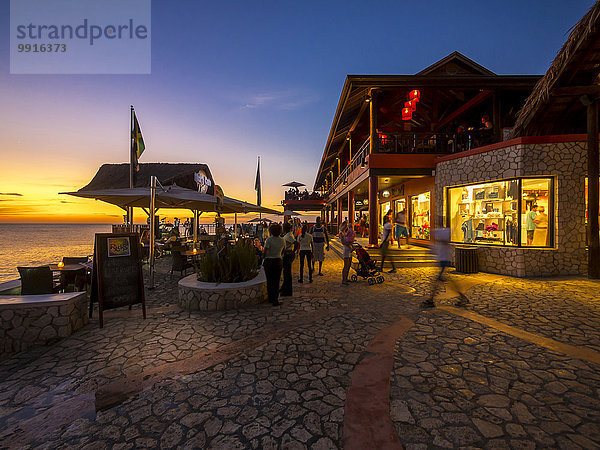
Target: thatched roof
{"type": "Point", "coordinates": [576, 64]}
{"type": "Point", "coordinates": [116, 176]}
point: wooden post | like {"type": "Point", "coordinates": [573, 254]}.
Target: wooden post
{"type": "Point", "coordinates": [339, 214]}
{"type": "Point", "coordinates": [496, 116]}
{"type": "Point", "coordinates": [373, 217]}
{"type": "Point", "coordinates": [350, 208]}
{"type": "Point", "coordinates": [372, 125]}
{"type": "Point", "coordinates": [593, 177]}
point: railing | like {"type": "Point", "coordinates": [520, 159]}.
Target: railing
{"type": "Point", "coordinates": [359, 159]}
{"type": "Point", "coordinates": [439, 143]}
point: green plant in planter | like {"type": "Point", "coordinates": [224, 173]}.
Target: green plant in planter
{"type": "Point", "coordinates": [228, 264]}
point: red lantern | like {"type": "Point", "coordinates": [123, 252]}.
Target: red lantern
{"type": "Point", "coordinates": [406, 114]}
{"type": "Point", "coordinates": [383, 138]}
{"type": "Point", "coordinates": [412, 104]}
{"type": "Point", "coordinates": [415, 95]}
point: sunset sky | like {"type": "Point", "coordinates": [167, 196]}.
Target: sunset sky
{"type": "Point", "coordinates": [234, 80]}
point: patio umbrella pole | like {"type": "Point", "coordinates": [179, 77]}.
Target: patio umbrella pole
{"type": "Point", "coordinates": [152, 226]}
{"type": "Point", "coordinates": [195, 227]}
{"type": "Point", "coordinates": [235, 227]}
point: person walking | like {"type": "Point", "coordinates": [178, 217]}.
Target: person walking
{"type": "Point", "coordinates": [306, 249]}
{"type": "Point", "coordinates": [385, 243]}
{"type": "Point", "coordinates": [272, 262]}
{"type": "Point", "coordinates": [401, 230]}
{"type": "Point", "coordinates": [347, 239]}
{"type": "Point", "coordinates": [442, 253]}
{"type": "Point", "coordinates": [289, 254]}
{"type": "Point", "coordinates": [320, 238]}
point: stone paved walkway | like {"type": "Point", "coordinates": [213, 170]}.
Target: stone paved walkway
{"type": "Point", "coordinates": [279, 377]}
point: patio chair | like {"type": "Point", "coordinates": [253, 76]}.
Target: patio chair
{"type": "Point", "coordinates": [180, 262]}
{"type": "Point", "coordinates": [37, 280]}
{"type": "Point", "coordinates": [79, 279]}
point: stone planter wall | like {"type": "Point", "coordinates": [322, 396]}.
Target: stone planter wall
{"type": "Point", "coordinates": [33, 320]}
{"type": "Point", "coordinates": [195, 295]}
{"type": "Point", "coordinates": [567, 163]}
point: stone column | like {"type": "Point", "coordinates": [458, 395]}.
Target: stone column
{"type": "Point", "coordinates": [339, 213]}
{"type": "Point", "coordinates": [593, 238]}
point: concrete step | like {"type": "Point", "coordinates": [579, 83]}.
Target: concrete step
{"type": "Point", "coordinates": [413, 257]}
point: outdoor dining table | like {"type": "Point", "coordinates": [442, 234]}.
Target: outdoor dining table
{"type": "Point", "coordinates": [189, 254]}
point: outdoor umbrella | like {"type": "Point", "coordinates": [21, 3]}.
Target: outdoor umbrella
{"type": "Point", "coordinates": [294, 184]}
{"type": "Point", "coordinates": [289, 213]}
{"type": "Point", "coordinates": [259, 220]}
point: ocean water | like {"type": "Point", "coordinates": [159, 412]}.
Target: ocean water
{"type": "Point", "coordinates": [29, 244]}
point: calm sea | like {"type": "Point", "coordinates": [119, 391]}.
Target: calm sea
{"type": "Point", "coordinates": [28, 244]}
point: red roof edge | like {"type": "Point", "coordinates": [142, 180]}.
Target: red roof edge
{"type": "Point", "coordinates": [551, 139]}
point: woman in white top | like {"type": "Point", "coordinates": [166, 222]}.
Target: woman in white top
{"type": "Point", "coordinates": [540, 234]}
{"type": "Point", "coordinates": [272, 263]}
{"type": "Point", "coordinates": [306, 248]}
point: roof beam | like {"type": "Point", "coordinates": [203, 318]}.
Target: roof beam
{"type": "Point", "coordinates": [576, 91]}
{"type": "Point", "coordinates": [470, 104]}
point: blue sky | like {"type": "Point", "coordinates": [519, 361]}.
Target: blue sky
{"type": "Point", "coordinates": [232, 80]}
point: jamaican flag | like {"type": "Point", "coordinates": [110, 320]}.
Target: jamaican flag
{"type": "Point", "coordinates": [138, 140]}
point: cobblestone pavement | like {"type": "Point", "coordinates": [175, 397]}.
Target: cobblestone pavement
{"type": "Point", "coordinates": [271, 377]}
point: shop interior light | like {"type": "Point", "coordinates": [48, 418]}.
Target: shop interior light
{"type": "Point", "coordinates": [385, 193]}
{"type": "Point", "coordinates": [366, 201]}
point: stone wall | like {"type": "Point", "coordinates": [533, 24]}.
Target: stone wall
{"type": "Point", "coordinates": [567, 163]}
{"type": "Point", "coordinates": [34, 320]}
{"type": "Point", "coordinates": [195, 295]}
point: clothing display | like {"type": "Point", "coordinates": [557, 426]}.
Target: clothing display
{"type": "Point", "coordinates": [500, 212]}
{"type": "Point", "coordinates": [467, 228]}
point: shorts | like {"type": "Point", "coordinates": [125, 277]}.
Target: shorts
{"type": "Point", "coordinates": [530, 234]}
{"type": "Point", "coordinates": [347, 252]}
{"type": "Point", "coordinates": [401, 231]}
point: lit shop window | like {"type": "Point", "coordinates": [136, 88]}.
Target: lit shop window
{"type": "Point", "coordinates": [586, 202]}
{"type": "Point", "coordinates": [420, 216]}
{"type": "Point", "coordinates": [502, 212]}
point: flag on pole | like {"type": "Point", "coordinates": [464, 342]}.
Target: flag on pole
{"type": "Point", "coordinates": [257, 183]}
{"type": "Point", "coordinates": [138, 141]}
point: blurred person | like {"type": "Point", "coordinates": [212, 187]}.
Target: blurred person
{"type": "Point", "coordinates": [385, 243]}
{"type": "Point", "coordinates": [289, 254]}
{"type": "Point", "coordinates": [347, 239]}
{"type": "Point", "coordinates": [441, 250]}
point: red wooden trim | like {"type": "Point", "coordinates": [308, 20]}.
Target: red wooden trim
{"type": "Point", "coordinates": [408, 161]}
{"type": "Point", "coordinates": [552, 139]}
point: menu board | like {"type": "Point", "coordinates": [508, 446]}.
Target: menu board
{"type": "Point", "coordinates": [117, 278]}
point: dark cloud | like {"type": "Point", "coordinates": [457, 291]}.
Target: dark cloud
{"type": "Point", "coordinates": [11, 193]}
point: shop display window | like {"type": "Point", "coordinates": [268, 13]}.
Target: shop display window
{"type": "Point", "coordinates": [502, 212]}
{"type": "Point", "coordinates": [421, 215]}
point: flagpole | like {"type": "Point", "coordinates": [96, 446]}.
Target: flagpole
{"type": "Point", "coordinates": [131, 164]}
{"type": "Point", "coordinates": [259, 190]}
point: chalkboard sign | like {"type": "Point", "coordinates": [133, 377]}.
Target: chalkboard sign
{"type": "Point", "coordinates": [117, 278]}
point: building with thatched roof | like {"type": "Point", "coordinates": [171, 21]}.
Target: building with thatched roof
{"type": "Point", "coordinates": [552, 153]}
{"type": "Point", "coordinates": [502, 161]}
{"type": "Point", "coordinates": [189, 176]}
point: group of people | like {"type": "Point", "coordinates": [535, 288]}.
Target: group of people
{"type": "Point", "coordinates": [280, 250]}
{"type": "Point", "coordinates": [536, 225]}
{"type": "Point", "coordinates": [295, 194]}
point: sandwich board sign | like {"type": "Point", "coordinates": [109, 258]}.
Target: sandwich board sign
{"type": "Point", "coordinates": [117, 278]}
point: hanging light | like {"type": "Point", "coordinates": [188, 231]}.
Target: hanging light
{"type": "Point", "coordinates": [415, 94]}
{"type": "Point", "coordinates": [412, 104]}
{"type": "Point", "coordinates": [385, 193]}
{"type": "Point", "coordinates": [406, 114]}
{"type": "Point", "coordinates": [368, 99]}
